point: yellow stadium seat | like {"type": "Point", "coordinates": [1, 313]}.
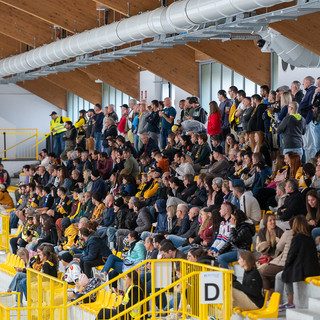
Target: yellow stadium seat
{"type": "Point", "coordinates": [17, 233]}
{"type": "Point", "coordinates": [119, 301]}
{"type": "Point", "coordinates": [112, 301]}
{"type": "Point", "coordinates": [12, 189]}
{"type": "Point", "coordinates": [313, 280]}
{"type": "Point", "coordinates": [270, 312]}
{"type": "Point", "coordinates": [97, 303]}
{"type": "Point", "coordinates": [265, 305]}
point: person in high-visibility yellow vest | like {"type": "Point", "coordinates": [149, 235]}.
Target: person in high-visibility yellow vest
{"type": "Point", "coordinates": [134, 294]}
{"type": "Point", "coordinates": [58, 129]}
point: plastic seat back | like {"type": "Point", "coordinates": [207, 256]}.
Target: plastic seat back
{"type": "Point", "coordinates": [106, 299]}
{"type": "Point", "coordinates": [271, 311]}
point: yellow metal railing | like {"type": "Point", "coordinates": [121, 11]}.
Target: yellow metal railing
{"type": "Point", "coordinates": [169, 286]}
{"type": "Point", "coordinates": [4, 233]}
{"type": "Point", "coordinates": [20, 143]}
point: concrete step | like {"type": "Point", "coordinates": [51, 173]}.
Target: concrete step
{"type": "Point", "coordinates": [314, 305]}
{"type": "Point", "coordinates": [302, 314]}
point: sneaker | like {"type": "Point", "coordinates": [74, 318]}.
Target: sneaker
{"type": "Point", "coordinates": [285, 306]}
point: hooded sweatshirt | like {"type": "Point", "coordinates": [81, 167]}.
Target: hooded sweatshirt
{"type": "Point", "coordinates": [293, 126]}
{"type": "Point", "coordinates": [162, 216]}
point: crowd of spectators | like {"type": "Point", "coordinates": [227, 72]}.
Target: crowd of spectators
{"type": "Point", "coordinates": [157, 185]}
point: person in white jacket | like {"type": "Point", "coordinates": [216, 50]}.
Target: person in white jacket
{"type": "Point", "coordinates": [248, 203]}
{"type": "Point", "coordinates": [184, 166]}
{"type": "Point", "coordinates": [73, 270]}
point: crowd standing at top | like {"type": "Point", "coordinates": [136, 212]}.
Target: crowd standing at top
{"type": "Point", "coordinates": [202, 179]}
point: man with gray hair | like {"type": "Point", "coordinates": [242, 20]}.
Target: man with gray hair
{"type": "Point", "coordinates": [148, 145]}
{"type": "Point", "coordinates": [297, 94]}
{"type": "Point", "coordinates": [305, 109]}
{"type": "Point", "coordinates": [112, 113]}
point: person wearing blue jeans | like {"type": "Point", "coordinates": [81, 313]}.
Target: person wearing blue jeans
{"type": "Point", "coordinates": [58, 143]}
{"type": "Point", "coordinates": [168, 114]}
{"type": "Point", "coordinates": [97, 141]}
{"type": "Point", "coordinates": [15, 285]}
{"type": "Point", "coordinates": [226, 258]}
{"type": "Point", "coordinates": [98, 125]}
{"type": "Point", "coordinates": [176, 240]}
{"type": "Point", "coordinates": [297, 150]}
{"type": "Point", "coordinates": [113, 262]}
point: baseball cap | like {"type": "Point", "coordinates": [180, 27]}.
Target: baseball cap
{"type": "Point", "coordinates": [52, 113]}
{"type": "Point", "coordinates": [119, 202]}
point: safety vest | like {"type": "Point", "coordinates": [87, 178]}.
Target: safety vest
{"type": "Point", "coordinates": [135, 312]}
{"type": "Point", "coordinates": [58, 124]}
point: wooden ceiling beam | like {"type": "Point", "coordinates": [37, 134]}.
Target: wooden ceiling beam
{"type": "Point", "coordinates": [244, 57]}
{"type": "Point", "coordinates": [176, 65]}
{"type": "Point", "coordinates": [303, 31]}
{"type": "Point", "coordinates": [71, 15]}
{"type": "Point", "coordinates": [132, 7]}
{"type": "Point", "coordinates": [47, 91]}
{"type": "Point", "coordinates": [24, 27]}
{"type": "Point", "coordinates": [78, 83]}
{"type": "Point", "coordinates": [121, 75]}
{"type": "Point", "coordinates": [9, 46]}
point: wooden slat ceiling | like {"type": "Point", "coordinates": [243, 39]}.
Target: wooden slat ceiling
{"type": "Point", "coordinates": [27, 24]}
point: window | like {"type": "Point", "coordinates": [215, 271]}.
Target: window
{"type": "Point", "coordinates": [214, 76]}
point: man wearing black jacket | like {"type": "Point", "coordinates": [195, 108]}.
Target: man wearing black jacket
{"type": "Point", "coordinates": [256, 122]}
{"type": "Point", "coordinates": [295, 204]}
{"type": "Point", "coordinates": [192, 231]}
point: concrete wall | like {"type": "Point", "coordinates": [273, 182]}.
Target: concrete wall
{"type": "Point", "coordinates": [19, 109]}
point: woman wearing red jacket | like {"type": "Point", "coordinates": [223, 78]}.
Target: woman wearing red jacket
{"type": "Point", "coordinates": [122, 123]}
{"type": "Point", "coordinates": [214, 120]}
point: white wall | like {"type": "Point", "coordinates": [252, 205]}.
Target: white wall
{"type": "Point", "coordinates": [150, 86]}
{"type": "Point", "coordinates": [19, 109]}
{"type": "Point", "coordinates": [287, 76]}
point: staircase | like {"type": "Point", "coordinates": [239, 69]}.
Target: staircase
{"type": "Point", "coordinates": [310, 313]}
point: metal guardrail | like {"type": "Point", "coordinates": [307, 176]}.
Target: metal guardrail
{"type": "Point", "coordinates": [21, 143]}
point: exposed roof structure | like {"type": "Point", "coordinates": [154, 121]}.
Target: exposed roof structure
{"type": "Point", "coordinates": [169, 41]}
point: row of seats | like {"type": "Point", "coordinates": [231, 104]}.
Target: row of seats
{"type": "Point", "coordinates": [105, 299]}
{"type": "Point", "coordinates": [268, 310]}
{"type": "Point", "coordinates": [114, 252]}
{"type": "Point", "coordinates": [11, 262]}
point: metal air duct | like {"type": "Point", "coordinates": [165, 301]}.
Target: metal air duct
{"type": "Point", "coordinates": [178, 17]}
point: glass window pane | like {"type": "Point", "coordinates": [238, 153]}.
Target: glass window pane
{"type": "Point", "coordinates": [238, 80]}
{"type": "Point", "coordinates": [112, 95]}
{"type": "Point", "coordinates": [250, 87]}
{"type": "Point", "coordinates": [216, 80]}
{"type": "Point", "coordinates": [205, 85]}
{"type": "Point", "coordinates": [226, 78]}
{"type": "Point", "coordinates": [105, 94]}
{"type": "Point", "coordinates": [165, 90]}
{"type": "Point", "coordinates": [125, 99]}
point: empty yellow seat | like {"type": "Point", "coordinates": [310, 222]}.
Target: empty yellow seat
{"type": "Point", "coordinates": [96, 304]}
{"type": "Point", "coordinates": [270, 312]}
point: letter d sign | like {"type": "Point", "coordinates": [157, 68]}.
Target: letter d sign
{"type": "Point", "coordinates": [211, 287]}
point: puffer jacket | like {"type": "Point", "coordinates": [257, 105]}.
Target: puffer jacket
{"type": "Point", "coordinates": [240, 238]}
{"type": "Point", "coordinates": [143, 220]}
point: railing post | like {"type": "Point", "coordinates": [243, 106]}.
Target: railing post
{"type": "Point", "coordinates": [5, 143]}
{"type": "Point", "coordinates": [37, 146]}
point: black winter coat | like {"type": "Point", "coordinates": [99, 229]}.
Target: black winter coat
{"type": "Point", "coordinates": [295, 205]}
{"type": "Point", "coordinates": [120, 219]}
{"type": "Point", "coordinates": [302, 261]}
{"type": "Point", "coordinates": [256, 122]}
{"type": "Point", "coordinates": [187, 192]}
{"type": "Point", "coordinates": [240, 238]}
{"type": "Point", "coordinates": [251, 286]}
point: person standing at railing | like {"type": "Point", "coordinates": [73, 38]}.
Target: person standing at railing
{"type": "Point", "coordinates": [69, 138]}
{"type": "Point", "coordinates": [58, 129]}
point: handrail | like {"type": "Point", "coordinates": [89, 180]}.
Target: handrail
{"type": "Point", "coordinates": [158, 293]}
{"type": "Point", "coordinates": [121, 275]}
{"type": "Point", "coordinates": [4, 151]}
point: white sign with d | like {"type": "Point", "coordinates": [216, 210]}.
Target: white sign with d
{"type": "Point", "coordinates": [211, 287]}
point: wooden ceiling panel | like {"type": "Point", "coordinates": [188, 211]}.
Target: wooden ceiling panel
{"type": "Point", "coordinates": [9, 46]}
{"type": "Point", "coordinates": [304, 31]}
{"type": "Point", "coordinates": [24, 27]}
{"type": "Point", "coordinates": [132, 7]}
{"type": "Point", "coordinates": [121, 75]}
{"type": "Point", "coordinates": [78, 83]}
{"type": "Point", "coordinates": [176, 65]}
{"type": "Point", "coordinates": [71, 15]}
{"type": "Point", "coordinates": [47, 91]}
{"type": "Point", "coordinates": [242, 56]}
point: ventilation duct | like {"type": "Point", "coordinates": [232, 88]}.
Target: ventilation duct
{"type": "Point", "coordinates": [288, 50]}
{"type": "Point", "coordinates": [178, 17]}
